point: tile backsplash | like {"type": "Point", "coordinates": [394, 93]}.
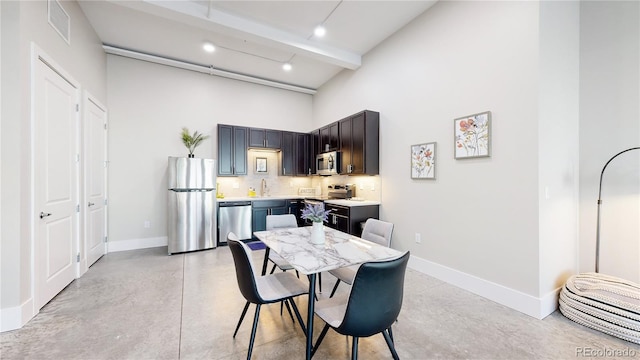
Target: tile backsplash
{"type": "Point", "coordinates": [367, 187]}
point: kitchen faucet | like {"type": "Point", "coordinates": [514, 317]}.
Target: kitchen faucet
{"type": "Point", "coordinates": [263, 187]}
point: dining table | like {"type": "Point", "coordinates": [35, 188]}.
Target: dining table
{"type": "Point", "coordinates": [338, 250]}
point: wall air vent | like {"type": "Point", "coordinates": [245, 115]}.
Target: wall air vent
{"type": "Point", "coordinates": [59, 19]}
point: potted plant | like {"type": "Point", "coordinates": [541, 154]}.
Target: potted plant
{"type": "Point", "coordinates": [192, 141]}
{"type": "Point", "coordinates": [317, 215]}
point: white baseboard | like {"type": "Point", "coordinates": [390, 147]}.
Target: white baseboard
{"type": "Point", "coordinates": [17, 316]}
{"type": "Point", "coordinates": [134, 244]}
{"type": "Point", "coordinates": [536, 307]}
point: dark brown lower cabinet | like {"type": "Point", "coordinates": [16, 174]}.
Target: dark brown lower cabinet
{"type": "Point", "coordinates": [350, 219]}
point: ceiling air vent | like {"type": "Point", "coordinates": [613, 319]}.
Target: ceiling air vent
{"type": "Point", "coordinates": [59, 19]}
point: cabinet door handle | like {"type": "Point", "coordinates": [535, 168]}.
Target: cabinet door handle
{"type": "Point", "coordinates": [90, 204]}
{"type": "Point", "coordinates": [44, 215]}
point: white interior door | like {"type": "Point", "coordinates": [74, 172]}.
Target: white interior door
{"type": "Point", "coordinates": [95, 156]}
{"type": "Point", "coordinates": [55, 181]}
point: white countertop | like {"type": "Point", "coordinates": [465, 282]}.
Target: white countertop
{"type": "Point", "coordinates": [289, 197]}
{"type": "Point", "coordinates": [255, 198]}
{"type": "Point", "coordinates": [352, 202]}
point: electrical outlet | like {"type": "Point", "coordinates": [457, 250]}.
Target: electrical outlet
{"type": "Point", "coordinates": [147, 224]}
{"type": "Point", "coordinates": [418, 238]}
{"type": "Point", "coordinates": [361, 186]}
{"type": "Point", "coordinates": [372, 186]}
{"type": "Point", "coordinates": [235, 185]}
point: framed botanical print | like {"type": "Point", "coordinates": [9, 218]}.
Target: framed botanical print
{"type": "Point", "coordinates": [423, 161]}
{"type": "Point", "coordinates": [472, 136]}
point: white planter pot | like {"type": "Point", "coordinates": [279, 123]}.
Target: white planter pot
{"type": "Point", "coordinates": [317, 233]}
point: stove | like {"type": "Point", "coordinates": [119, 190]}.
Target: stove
{"type": "Point", "coordinates": [341, 191]}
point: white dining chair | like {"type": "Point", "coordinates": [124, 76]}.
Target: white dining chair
{"type": "Point", "coordinates": [374, 230]}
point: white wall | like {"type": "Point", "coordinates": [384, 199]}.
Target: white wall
{"type": "Point", "coordinates": [24, 22]}
{"type": "Point", "coordinates": [609, 123]}
{"type": "Point", "coordinates": [10, 293]}
{"type": "Point", "coordinates": [480, 217]}
{"type": "Point", "coordinates": [148, 106]}
{"type": "Point", "coordinates": [558, 145]}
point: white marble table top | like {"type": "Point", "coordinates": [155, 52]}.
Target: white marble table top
{"type": "Point", "coordinates": [339, 249]}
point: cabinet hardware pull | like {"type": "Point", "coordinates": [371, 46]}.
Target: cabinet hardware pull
{"type": "Point", "coordinates": [44, 215]}
{"type": "Point", "coordinates": [90, 204]}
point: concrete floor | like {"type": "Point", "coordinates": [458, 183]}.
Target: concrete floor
{"type": "Point", "coordinates": [144, 304]}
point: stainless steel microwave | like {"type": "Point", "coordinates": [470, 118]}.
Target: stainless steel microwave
{"type": "Point", "coordinates": [328, 163]}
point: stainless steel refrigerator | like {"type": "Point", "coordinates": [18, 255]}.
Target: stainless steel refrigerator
{"type": "Point", "coordinates": [192, 204]}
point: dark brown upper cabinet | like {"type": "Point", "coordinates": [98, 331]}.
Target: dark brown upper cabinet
{"type": "Point", "coordinates": [314, 149]}
{"type": "Point", "coordinates": [302, 157]}
{"type": "Point", "coordinates": [287, 154]}
{"type": "Point", "coordinates": [329, 137]}
{"type": "Point", "coordinates": [359, 138]}
{"type": "Point", "coordinates": [232, 150]}
{"type": "Point", "coordinates": [265, 138]}
{"type": "Point", "coordinates": [294, 155]}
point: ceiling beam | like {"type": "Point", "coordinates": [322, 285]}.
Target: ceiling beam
{"type": "Point", "coordinates": [207, 17]}
{"type": "Point", "coordinates": [203, 69]}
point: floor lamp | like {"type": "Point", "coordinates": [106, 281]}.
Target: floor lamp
{"type": "Point", "coordinates": [600, 202]}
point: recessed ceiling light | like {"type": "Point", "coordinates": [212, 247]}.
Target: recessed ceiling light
{"type": "Point", "coordinates": [287, 67]}
{"type": "Point", "coordinates": [319, 31]}
{"type": "Point", "coordinates": [208, 47]}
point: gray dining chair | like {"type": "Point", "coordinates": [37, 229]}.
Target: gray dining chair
{"type": "Point", "coordinates": [278, 222]}
{"type": "Point", "coordinates": [262, 290]}
{"type": "Point", "coordinates": [370, 308]}
{"type": "Point", "coordinates": [374, 230]}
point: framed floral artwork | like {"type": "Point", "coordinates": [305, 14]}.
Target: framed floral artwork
{"type": "Point", "coordinates": [472, 136]}
{"type": "Point", "coordinates": [261, 165]}
{"type": "Point", "coordinates": [423, 161]}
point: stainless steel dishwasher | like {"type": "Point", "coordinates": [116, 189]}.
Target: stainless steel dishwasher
{"type": "Point", "coordinates": [234, 216]}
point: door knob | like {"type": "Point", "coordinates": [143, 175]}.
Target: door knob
{"type": "Point", "coordinates": [91, 204]}
{"type": "Point", "coordinates": [44, 215]}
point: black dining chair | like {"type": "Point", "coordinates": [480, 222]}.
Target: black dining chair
{"type": "Point", "coordinates": [372, 306]}
{"type": "Point", "coordinates": [374, 230]}
{"type": "Point", "coordinates": [261, 290]}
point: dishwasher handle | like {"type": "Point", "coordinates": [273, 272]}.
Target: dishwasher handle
{"type": "Point", "coordinates": [234, 203]}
